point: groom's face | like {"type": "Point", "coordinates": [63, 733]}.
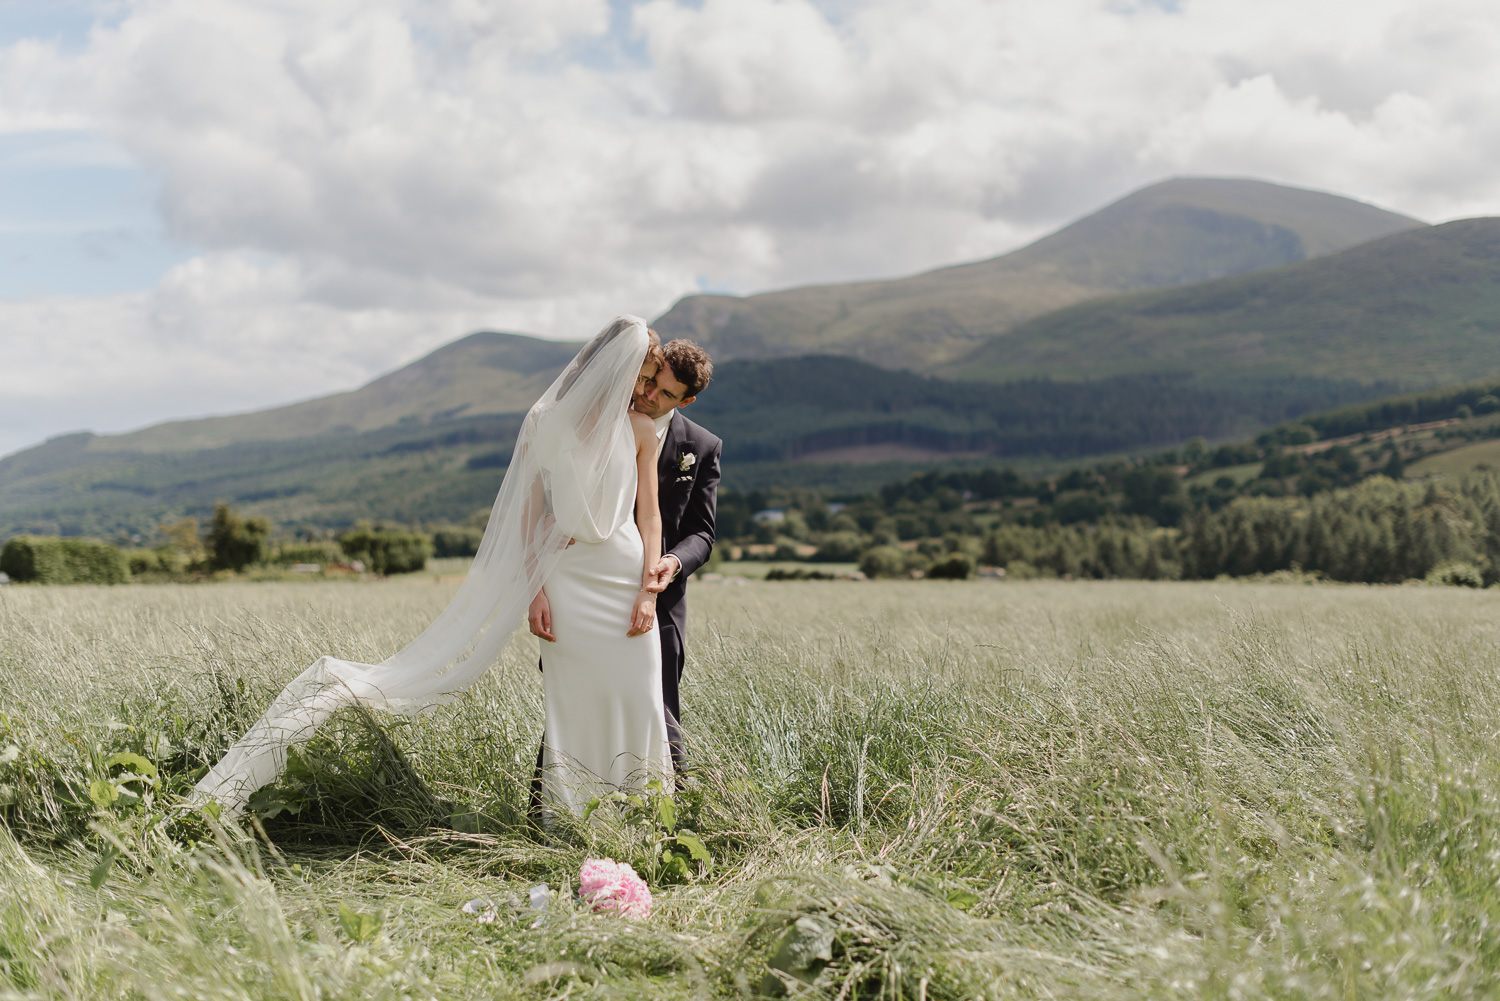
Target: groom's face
{"type": "Point", "coordinates": [661, 394]}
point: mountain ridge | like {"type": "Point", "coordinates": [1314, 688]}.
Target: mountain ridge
{"type": "Point", "coordinates": [1423, 303]}
{"type": "Point", "coordinates": [1175, 232]}
{"type": "Point", "coordinates": [501, 372]}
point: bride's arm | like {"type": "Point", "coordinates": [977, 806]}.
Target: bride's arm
{"type": "Point", "coordinates": [647, 519]}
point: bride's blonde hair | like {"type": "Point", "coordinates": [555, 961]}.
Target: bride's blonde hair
{"type": "Point", "coordinates": [653, 348]}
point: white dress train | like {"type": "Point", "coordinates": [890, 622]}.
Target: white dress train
{"type": "Point", "coordinates": [571, 476]}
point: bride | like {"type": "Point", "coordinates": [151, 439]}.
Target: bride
{"type": "Point", "coordinates": [577, 511]}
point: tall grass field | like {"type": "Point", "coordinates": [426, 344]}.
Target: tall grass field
{"type": "Point", "coordinates": [924, 790]}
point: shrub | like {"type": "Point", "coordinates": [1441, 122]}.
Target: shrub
{"type": "Point", "coordinates": [43, 559]}
{"type": "Point", "coordinates": [386, 552]}
{"type": "Point", "coordinates": [958, 566]}
{"type": "Point", "coordinates": [841, 547]}
{"type": "Point", "coordinates": [142, 560]}
{"type": "Point", "coordinates": [786, 549]}
{"type": "Point", "coordinates": [883, 561]}
{"type": "Point", "coordinates": [308, 552]}
{"type": "Point", "coordinates": [1456, 573]}
{"type": "Point", "coordinates": [236, 542]}
{"type": "Point", "coordinates": [447, 542]}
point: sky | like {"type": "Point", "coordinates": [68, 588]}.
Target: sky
{"type": "Point", "coordinates": [211, 206]}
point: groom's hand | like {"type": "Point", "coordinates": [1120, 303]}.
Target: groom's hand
{"type": "Point", "coordinates": [539, 617]}
{"type": "Point", "coordinates": [662, 574]}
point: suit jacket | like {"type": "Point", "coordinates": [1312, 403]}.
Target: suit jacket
{"type": "Point", "coordinates": [688, 493]}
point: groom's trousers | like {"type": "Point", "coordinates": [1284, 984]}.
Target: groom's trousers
{"type": "Point", "coordinates": [673, 657]}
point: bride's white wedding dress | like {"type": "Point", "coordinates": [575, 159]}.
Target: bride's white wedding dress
{"type": "Point", "coordinates": [572, 476]}
{"type": "Point", "coordinates": [606, 725]}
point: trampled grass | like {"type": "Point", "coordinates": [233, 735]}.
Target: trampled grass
{"type": "Point", "coordinates": [920, 790]}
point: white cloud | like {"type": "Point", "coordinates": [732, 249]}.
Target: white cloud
{"type": "Point", "coordinates": [366, 179]}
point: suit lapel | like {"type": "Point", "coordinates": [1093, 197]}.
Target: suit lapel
{"type": "Point", "coordinates": [666, 463]}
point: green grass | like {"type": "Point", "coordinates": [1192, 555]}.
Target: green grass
{"type": "Point", "coordinates": [952, 790]}
{"type": "Point", "coordinates": [1241, 474]}
{"type": "Point", "coordinates": [1458, 460]}
{"type": "Point", "coordinates": [757, 569]}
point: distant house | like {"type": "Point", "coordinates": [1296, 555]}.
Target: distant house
{"type": "Point", "coordinates": [771, 515]}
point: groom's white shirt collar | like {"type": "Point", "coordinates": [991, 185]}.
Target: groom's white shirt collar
{"type": "Point", "coordinates": [662, 423]}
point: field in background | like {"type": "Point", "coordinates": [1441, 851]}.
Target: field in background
{"type": "Point", "coordinates": [1459, 460]}
{"type": "Point", "coordinates": [909, 789]}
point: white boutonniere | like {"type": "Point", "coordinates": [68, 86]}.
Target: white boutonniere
{"type": "Point", "coordinates": [685, 461]}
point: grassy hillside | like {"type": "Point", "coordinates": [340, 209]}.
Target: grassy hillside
{"type": "Point", "coordinates": [1453, 462]}
{"type": "Point", "coordinates": [484, 373]}
{"type": "Point", "coordinates": [1170, 234]}
{"type": "Point", "coordinates": [406, 472]}
{"type": "Point", "coordinates": [1421, 306]}
{"type": "Point", "coordinates": [826, 408]}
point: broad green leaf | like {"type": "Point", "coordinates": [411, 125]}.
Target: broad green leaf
{"type": "Point", "coordinates": [132, 763]}
{"type": "Point", "coordinates": [359, 927]}
{"type": "Point", "coordinates": [100, 872]}
{"type": "Point", "coordinates": [102, 793]}
{"type": "Point", "coordinates": [676, 868]}
{"type": "Point", "coordinates": [696, 848]}
{"type": "Point", "coordinates": [270, 803]}
{"type": "Point", "coordinates": [666, 813]}
{"type": "Point", "coordinates": [588, 811]}
{"type": "Point", "coordinates": [962, 899]}
{"type": "Point", "coordinates": [213, 809]}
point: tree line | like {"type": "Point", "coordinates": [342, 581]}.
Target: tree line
{"type": "Point", "coordinates": [229, 544]}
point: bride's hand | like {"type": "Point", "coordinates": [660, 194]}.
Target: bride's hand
{"type": "Point", "coordinates": [643, 615]}
{"type": "Point", "coordinates": [539, 617]}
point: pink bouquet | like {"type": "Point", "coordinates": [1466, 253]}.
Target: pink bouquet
{"type": "Point", "coordinates": [614, 886]}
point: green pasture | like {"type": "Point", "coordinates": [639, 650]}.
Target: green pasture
{"type": "Point", "coordinates": [1459, 460]}
{"type": "Point", "coordinates": [907, 789]}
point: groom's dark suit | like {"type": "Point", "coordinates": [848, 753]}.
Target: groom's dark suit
{"type": "Point", "coordinates": [688, 493]}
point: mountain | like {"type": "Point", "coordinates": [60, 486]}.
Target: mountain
{"type": "Point", "coordinates": [1421, 307]}
{"type": "Point", "coordinates": [429, 442]}
{"type": "Point", "coordinates": [818, 419]}
{"type": "Point", "coordinates": [1170, 234]}
{"type": "Point", "coordinates": [484, 373]}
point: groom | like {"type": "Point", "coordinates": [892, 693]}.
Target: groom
{"type": "Point", "coordinates": [687, 469]}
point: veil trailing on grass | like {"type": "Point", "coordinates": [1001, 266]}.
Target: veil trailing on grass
{"type": "Point", "coordinates": [558, 487]}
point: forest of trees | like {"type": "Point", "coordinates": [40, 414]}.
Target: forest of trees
{"type": "Point", "coordinates": [1286, 501]}
{"type": "Point", "coordinates": [1324, 496]}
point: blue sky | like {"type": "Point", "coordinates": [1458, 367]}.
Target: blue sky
{"type": "Point", "coordinates": [219, 205]}
{"type": "Point", "coordinates": [77, 214]}
{"type": "Point", "coordinates": [77, 217]}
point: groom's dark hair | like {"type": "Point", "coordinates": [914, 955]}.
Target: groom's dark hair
{"type": "Point", "coordinates": [690, 364]}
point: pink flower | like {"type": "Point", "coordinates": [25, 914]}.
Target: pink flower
{"type": "Point", "coordinates": [614, 886]}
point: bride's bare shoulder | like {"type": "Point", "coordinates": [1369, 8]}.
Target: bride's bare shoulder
{"type": "Point", "coordinates": [641, 425]}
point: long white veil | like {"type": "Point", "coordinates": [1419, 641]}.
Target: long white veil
{"type": "Point", "coordinates": [559, 486]}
